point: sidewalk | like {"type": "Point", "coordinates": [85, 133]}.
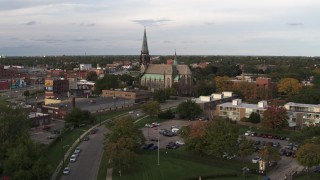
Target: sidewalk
{"type": "Point", "coordinates": [109, 174]}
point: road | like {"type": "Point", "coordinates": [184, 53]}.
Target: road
{"type": "Point", "coordinates": [87, 165]}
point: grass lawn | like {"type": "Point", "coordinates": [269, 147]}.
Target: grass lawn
{"type": "Point", "coordinates": [103, 167]}
{"type": "Point", "coordinates": [178, 164]}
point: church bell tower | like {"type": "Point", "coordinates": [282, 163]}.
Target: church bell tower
{"type": "Point", "coordinates": [144, 57]}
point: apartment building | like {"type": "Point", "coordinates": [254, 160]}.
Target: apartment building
{"type": "Point", "coordinates": [236, 110]}
{"type": "Point", "coordinates": [301, 115]}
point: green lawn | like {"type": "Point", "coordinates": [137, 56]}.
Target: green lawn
{"type": "Point", "coordinates": [178, 164]}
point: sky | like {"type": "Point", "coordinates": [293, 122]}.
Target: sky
{"type": "Point", "coordinates": [191, 27]}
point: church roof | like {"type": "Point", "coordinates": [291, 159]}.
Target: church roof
{"type": "Point", "coordinates": [168, 69]}
{"type": "Point", "coordinates": [184, 69]}
{"type": "Point", "coordinates": [159, 69]}
{"type": "Point", "coordinates": [144, 49]}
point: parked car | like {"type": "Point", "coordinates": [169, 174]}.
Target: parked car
{"type": "Point", "coordinates": [154, 139]}
{"type": "Point", "coordinates": [155, 124]}
{"type": "Point", "coordinates": [147, 146]}
{"type": "Point", "coordinates": [282, 138]}
{"type": "Point", "coordinates": [171, 145]}
{"type": "Point", "coordinates": [86, 138]}
{"type": "Point", "coordinates": [276, 145]}
{"type": "Point", "coordinates": [52, 136]}
{"type": "Point", "coordinates": [248, 133]}
{"type": "Point", "coordinates": [254, 134]}
{"type": "Point", "coordinates": [272, 163]}
{"type": "Point", "coordinates": [169, 134]}
{"type": "Point", "coordinates": [282, 152]}
{"type": "Point", "coordinates": [73, 158]}
{"type": "Point", "coordinates": [153, 148]}
{"type": "Point", "coordinates": [276, 137]}
{"type": "Point", "coordinates": [256, 159]}
{"type": "Point", "coordinates": [162, 131]}
{"type": "Point", "coordinates": [179, 143]}
{"type": "Point", "coordinates": [77, 150]}
{"type": "Point", "coordinates": [149, 125]}
{"type": "Point", "coordinates": [270, 136]}
{"type": "Point", "coordinates": [256, 143]}
{"type": "Point", "coordinates": [317, 169]}
{"type": "Point", "coordinates": [288, 153]}
{"type": "Point", "coordinates": [66, 171]}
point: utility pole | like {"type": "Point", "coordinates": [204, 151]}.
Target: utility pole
{"type": "Point", "coordinates": [158, 148]}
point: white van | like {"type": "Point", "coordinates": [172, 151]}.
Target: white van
{"type": "Point", "coordinates": [175, 130]}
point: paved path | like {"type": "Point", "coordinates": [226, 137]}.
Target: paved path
{"type": "Point", "coordinates": [109, 174]}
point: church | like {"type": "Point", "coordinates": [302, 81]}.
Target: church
{"type": "Point", "coordinates": [162, 76]}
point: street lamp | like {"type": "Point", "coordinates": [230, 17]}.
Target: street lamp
{"type": "Point", "coordinates": [158, 148]}
{"type": "Point", "coordinates": [63, 154]}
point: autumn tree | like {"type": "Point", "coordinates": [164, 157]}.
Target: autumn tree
{"type": "Point", "coordinates": [308, 155]}
{"type": "Point", "coordinates": [275, 117]}
{"type": "Point", "coordinates": [221, 83]}
{"type": "Point", "coordinates": [123, 142]}
{"type": "Point", "coordinates": [268, 153]}
{"type": "Point", "coordinates": [152, 108]}
{"type": "Point", "coordinates": [188, 109]}
{"type": "Point", "coordinates": [194, 136]}
{"type": "Point", "coordinates": [289, 86]}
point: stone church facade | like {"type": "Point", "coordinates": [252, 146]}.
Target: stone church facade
{"type": "Point", "coordinates": [161, 76]}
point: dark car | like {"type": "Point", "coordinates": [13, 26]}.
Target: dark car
{"type": "Point", "coordinates": [86, 138]}
{"type": "Point", "coordinates": [172, 145]}
{"type": "Point", "coordinates": [169, 134]}
{"type": "Point", "coordinates": [317, 169]}
{"type": "Point", "coordinates": [289, 153]}
{"type": "Point", "coordinates": [153, 147]}
{"type": "Point", "coordinates": [276, 137]}
{"type": "Point", "coordinates": [282, 138]}
{"type": "Point", "coordinates": [272, 163]}
{"type": "Point", "coordinates": [282, 152]}
{"type": "Point", "coordinates": [256, 143]}
{"type": "Point", "coordinates": [148, 146]}
{"type": "Point", "coordinates": [154, 139]}
{"type": "Point", "coordinates": [254, 134]}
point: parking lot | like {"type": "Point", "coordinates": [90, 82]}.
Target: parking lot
{"type": "Point", "coordinates": [152, 133]}
{"type": "Point", "coordinates": [40, 135]}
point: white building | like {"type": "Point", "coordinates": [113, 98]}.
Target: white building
{"type": "Point", "coordinates": [85, 67]}
{"type": "Point", "coordinates": [303, 114]}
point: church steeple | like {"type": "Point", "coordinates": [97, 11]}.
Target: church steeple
{"type": "Point", "coordinates": [144, 49]}
{"type": "Point", "coordinates": [175, 60]}
{"type": "Point", "coordinates": [144, 57]}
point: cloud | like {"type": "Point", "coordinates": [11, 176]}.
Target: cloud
{"type": "Point", "coordinates": [295, 24]}
{"type": "Point", "coordinates": [151, 22]}
{"type": "Point", "coordinates": [87, 24]}
{"type": "Point", "coordinates": [167, 42]}
{"type": "Point", "coordinates": [30, 23]}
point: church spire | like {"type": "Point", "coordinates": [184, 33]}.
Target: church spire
{"type": "Point", "coordinates": [175, 60]}
{"type": "Point", "coordinates": [144, 49]}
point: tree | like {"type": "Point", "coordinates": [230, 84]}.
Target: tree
{"type": "Point", "coordinates": [221, 83]}
{"type": "Point", "coordinates": [92, 76]}
{"type": "Point", "coordinates": [268, 153]}
{"type": "Point", "coordinates": [204, 88]}
{"type": "Point", "coordinates": [26, 94]}
{"type": "Point", "coordinates": [275, 117]}
{"type": "Point", "coordinates": [123, 142]}
{"type": "Point", "coordinates": [213, 138]}
{"type": "Point", "coordinates": [107, 82]}
{"type": "Point", "coordinates": [221, 137]}
{"type": "Point", "coordinates": [168, 114]}
{"type": "Point", "coordinates": [152, 108]}
{"type": "Point", "coordinates": [254, 117]}
{"type": "Point", "coordinates": [245, 147]}
{"type": "Point", "coordinates": [161, 95]}
{"type": "Point", "coordinates": [127, 79]}
{"type": "Point", "coordinates": [289, 86]}
{"type": "Point", "coordinates": [308, 155]}
{"type": "Point", "coordinates": [188, 109]}
{"type": "Point", "coordinates": [78, 117]}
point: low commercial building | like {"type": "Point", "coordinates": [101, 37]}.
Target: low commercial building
{"type": "Point", "coordinates": [236, 110]}
{"type": "Point", "coordinates": [301, 115]}
{"type": "Point", "coordinates": [135, 94]}
{"type": "Point", "coordinates": [39, 119]}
